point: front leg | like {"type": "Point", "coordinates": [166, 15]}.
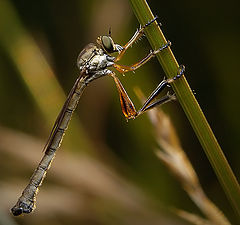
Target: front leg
{"type": "Point", "coordinates": [139, 33]}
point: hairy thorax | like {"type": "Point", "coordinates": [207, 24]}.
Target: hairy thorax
{"type": "Point", "coordinates": [92, 58]}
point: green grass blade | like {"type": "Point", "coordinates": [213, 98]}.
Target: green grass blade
{"type": "Point", "coordinates": [190, 106]}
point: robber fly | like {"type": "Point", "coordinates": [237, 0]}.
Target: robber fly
{"type": "Point", "coordinates": [94, 62]}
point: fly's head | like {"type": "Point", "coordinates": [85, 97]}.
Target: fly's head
{"type": "Point", "coordinates": [95, 58]}
{"type": "Point", "coordinates": [108, 45]}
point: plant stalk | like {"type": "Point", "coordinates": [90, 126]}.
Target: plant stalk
{"type": "Point", "coordinates": [190, 106]}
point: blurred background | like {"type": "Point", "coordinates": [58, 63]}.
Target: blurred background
{"type": "Point", "coordinates": [106, 171]}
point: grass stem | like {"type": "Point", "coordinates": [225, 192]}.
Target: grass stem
{"type": "Point", "coordinates": [190, 106]}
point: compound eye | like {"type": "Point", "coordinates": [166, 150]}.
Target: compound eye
{"type": "Point", "coordinates": [107, 43]}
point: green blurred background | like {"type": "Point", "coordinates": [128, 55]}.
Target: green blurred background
{"type": "Point", "coordinates": [106, 171]}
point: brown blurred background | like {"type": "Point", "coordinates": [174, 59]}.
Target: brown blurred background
{"type": "Point", "coordinates": [106, 171]}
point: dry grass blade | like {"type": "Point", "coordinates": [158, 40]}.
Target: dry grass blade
{"type": "Point", "coordinates": [80, 188]}
{"type": "Point", "coordinates": [174, 157]}
{"type": "Point", "coordinates": [192, 218]}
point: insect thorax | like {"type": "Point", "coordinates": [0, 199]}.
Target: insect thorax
{"type": "Point", "coordinates": [93, 58]}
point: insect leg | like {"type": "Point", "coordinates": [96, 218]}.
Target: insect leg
{"type": "Point", "coordinates": [127, 105]}
{"type": "Point", "coordinates": [124, 69]}
{"type": "Point", "coordinates": [149, 104]}
{"type": "Point", "coordinates": [139, 33]}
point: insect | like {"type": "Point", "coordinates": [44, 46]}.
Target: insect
{"type": "Point", "coordinates": [94, 62]}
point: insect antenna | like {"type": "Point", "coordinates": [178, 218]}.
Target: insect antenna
{"type": "Point", "coordinates": [110, 32]}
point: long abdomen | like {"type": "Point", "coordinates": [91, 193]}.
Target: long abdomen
{"type": "Point", "coordinates": [26, 203]}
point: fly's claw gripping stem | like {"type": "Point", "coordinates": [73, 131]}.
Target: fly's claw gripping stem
{"type": "Point", "coordinates": [181, 71]}
{"type": "Point", "coordinates": [168, 44]}
{"type": "Point", "coordinates": [151, 21]}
